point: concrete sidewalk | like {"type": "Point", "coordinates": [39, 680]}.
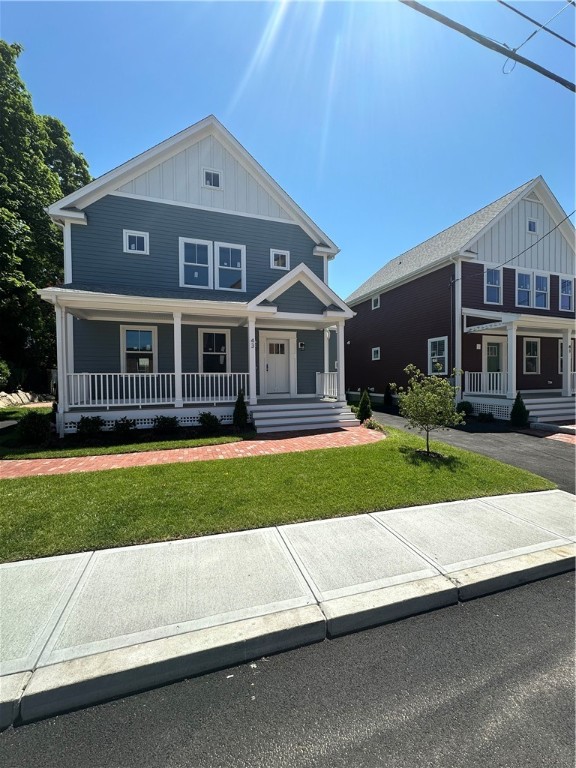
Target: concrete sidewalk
{"type": "Point", "coordinates": [83, 628]}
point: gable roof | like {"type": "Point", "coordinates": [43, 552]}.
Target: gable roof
{"type": "Point", "coordinates": [450, 242]}
{"type": "Point", "coordinates": [70, 207]}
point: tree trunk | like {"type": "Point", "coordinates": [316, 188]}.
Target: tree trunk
{"type": "Point", "coordinates": [428, 442]}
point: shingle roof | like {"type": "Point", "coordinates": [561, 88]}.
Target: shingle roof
{"type": "Point", "coordinates": [435, 249]}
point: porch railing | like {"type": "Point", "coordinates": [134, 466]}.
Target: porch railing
{"type": "Point", "coordinates": [127, 389]}
{"type": "Point", "coordinates": [485, 383]}
{"type": "Point", "coordinates": [213, 387]}
{"type": "Point", "coordinates": [327, 384]}
{"type": "Point", "coordinates": [111, 389]}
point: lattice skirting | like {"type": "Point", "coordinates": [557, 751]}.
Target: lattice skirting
{"type": "Point", "coordinates": [146, 420]}
{"type": "Point", "coordinates": [500, 411]}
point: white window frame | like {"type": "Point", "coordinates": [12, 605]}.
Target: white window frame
{"type": "Point", "coordinates": [228, 353]}
{"type": "Point", "coordinates": [531, 274]}
{"type": "Point", "coordinates": [376, 302]}
{"type": "Point", "coordinates": [530, 232]}
{"type": "Point", "coordinates": [181, 242]}
{"type": "Point", "coordinates": [123, 329]}
{"type": "Point", "coordinates": [206, 170]}
{"type": "Point", "coordinates": [486, 286]}
{"type": "Point", "coordinates": [560, 345]}
{"type": "Point", "coordinates": [145, 235]}
{"type": "Point", "coordinates": [570, 279]}
{"type": "Point", "coordinates": [242, 249]}
{"type": "Point", "coordinates": [375, 353]}
{"type": "Point", "coordinates": [277, 251]}
{"type": "Point", "coordinates": [547, 276]}
{"type": "Point", "coordinates": [525, 341]}
{"type": "Point", "coordinates": [431, 369]}
{"type": "Point", "coordinates": [572, 356]}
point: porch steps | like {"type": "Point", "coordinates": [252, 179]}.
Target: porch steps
{"type": "Point", "coordinates": [296, 417]}
{"type": "Point", "coordinates": [551, 410]}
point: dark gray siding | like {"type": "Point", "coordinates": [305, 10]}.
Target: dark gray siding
{"type": "Point", "coordinates": [333, 350]}
{"type": "Point", "coordinates": [310, 360]}
{"type": "Point", "coordinates": [299, 299]}
{"type": "Point", "coordinates": [97, 347]}
{"type": "Point", "coordinates": [99, 263]}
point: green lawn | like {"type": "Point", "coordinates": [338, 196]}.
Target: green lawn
{"type": "Point", "coordinates": [69, 446]}
{"type": "Point", "coordinates": [42, 516]}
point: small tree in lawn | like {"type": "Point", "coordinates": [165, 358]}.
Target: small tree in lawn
{"type": "Point", "coordinates": [428, 403]}
{"type": "Point", "coordinates": [364, 407]}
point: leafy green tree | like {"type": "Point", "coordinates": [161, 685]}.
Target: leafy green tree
{"type": "Point", "coordinates": [38, 165]}
{"type": "Point", "coordinates": [428, 403]}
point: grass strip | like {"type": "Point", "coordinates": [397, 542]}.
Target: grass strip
{"type": "Point", "coordinates": [50, 515]}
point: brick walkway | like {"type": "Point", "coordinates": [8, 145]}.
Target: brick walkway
{"type": "Point", "coordinates": [344, 438]}
{"type": "Point", "coordinates": [563, 438]}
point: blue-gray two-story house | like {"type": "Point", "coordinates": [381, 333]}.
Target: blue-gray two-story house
{"type": "Point", "coordinates": [190, 275]}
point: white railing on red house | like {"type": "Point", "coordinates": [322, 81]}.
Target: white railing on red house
{"type": "Point", "coordinates": [485, 383]}
{"type": "Point", "coordinates": [135, 389]}
{"type": "Point", "coordinates": [327, 384]}
{"type": "Point", "coordinates": [213, 387]}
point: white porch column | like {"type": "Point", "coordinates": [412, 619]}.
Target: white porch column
{"type": "Point", "coordinates": [178, 359]}
{"type": "Point", "coordinates": [566, 362]}
{"type": "Point", "coordinates": [341, 365]}
{"type": "Point", "coordinates": [61, 356]}
{"type": "Point", "coordinates": [326, 333]}
{"type": "Point", "coordinates": [252, 359]}
{"type": "Point", "coordinates": [511, 390]}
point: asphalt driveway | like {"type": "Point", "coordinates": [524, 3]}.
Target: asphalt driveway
{"type": "Point", "coordinates": [552, 459]}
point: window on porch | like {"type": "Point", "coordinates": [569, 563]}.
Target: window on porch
{"type": "Point", "coordinates": [138, 350]}
{"type": "Point", "coordinates": [214, 351]}
{"type": "Point", "coordinates": [531, 355]}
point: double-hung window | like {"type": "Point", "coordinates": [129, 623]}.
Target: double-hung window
{"type": "Point", "coordinates": [531, 355]}
{"type": "Point", "coordinates": [375, 353]}
{"type": "Point", "coordinates": [524, 289]}
{"type": "Point", "coordinates": [493, 286]}
{"type": "Point", "coordinates": [541, 291]}
{"type": "Point", "coordinates": [138, 345]}
{"type": "Point", "coordinates": [195, 263]}
{"type": "Point", "coordinates": [230, 266]}
{"type": "Point", "coordinates": [438, 356]}
{"type": "Point", "coordinates": [214, 350]}
{"type": "Point", "coordinates": [566, 294]}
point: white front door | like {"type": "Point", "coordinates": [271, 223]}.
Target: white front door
{"type": "Point", "coordinates": [277, 363]}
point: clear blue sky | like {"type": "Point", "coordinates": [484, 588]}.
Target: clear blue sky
{"type": "Point", "coordinates": [383, 125]}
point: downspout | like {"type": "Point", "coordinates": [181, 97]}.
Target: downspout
{"type": "Point", "coordinates": [456, 305]}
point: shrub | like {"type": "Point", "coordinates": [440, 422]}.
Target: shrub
{"type": "Point", "coordinates": [89, 426]}
{"type": "Point", "coordinates": [209, 423]}
{"type": "Point", "coordinates": [124, 427]}
{"type": "Point", "coordinates": [428, 403]}
{"type": "Point", "coordinates": [4, 374]}
{"type": "Point", "coordinates": [465, 407]}
{"type": "Point", "coordinates": [33, 428]}
{"type": "Point", "coordinates": [388, 399]}
{"type": "Point", "coordinates": [485, 417]}
{"type": "Point", "coordinates": [240, 417]}
{"type": "Point", "coordinates": [373, 424]}
{"type": "Point", "coordinates": [364, 407]}
{"type": "Point", "coordinates": [166, 425]}
{"type": "Point", "coordinates": [353, 408]}
{"type": "Point", "coordinates": [519, 415]}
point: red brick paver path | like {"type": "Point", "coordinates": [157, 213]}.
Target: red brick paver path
{"type": "Point", "coordinates": [563, 438]}
{"type": "Point", "coordinates": [343, 438]}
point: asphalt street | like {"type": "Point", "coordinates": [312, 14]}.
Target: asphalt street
{"type": "Point", "coordinates": [551, 459]}
{"type": "Point", "coordinates": [489, 682]}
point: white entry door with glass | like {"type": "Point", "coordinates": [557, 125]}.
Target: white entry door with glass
{"type": "Point", "coordinates": [275, 363]}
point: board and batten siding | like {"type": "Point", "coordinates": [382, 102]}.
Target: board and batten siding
{"type": "Point", "coordinates": [509, 236]}
{"type": "Point", "coordinates": [99, 261]}
{"type": "Point", "coordinates": [180, 179]}
{"type": "Point", "coordinates": [407, 317]}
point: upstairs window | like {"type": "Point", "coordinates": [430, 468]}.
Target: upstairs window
{"type": "Point", "coordinates": [211, 178]}
{"type": "Point", "coordinates": [230, 267]}
{"type": "Point", "coordinates": [375, 353]}
{"type": "Point", "coordinates": [541, 293]}
{"type": "Point", "coordinates": [493, 286]}
{"type": "Point", "coordinates": [138, 349]}
{"type": "Point", "coordinates": [136, 242]}
{"type": "Point", "coordinates": [375, 302]}
{"type": "Point", "coordinates": [566, 294]}
{"type": "Point", "coordinates": [195, 263]}
{"type": "Point", "coordinates": [279, 259]}
{"type": "Point", "coordinates": [438, 356]}
{"type": "Point", "coordinates": [523, 289]}
{"type": "Point", "coordinates": [532, 226]}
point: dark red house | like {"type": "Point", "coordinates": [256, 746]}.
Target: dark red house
{"type": "Point", "coordinates": [492, 296]}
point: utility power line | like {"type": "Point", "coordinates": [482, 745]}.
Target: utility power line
{"type": "Point", "coordinates": [488, 43]}
{"type": "Point", "coordinates": [538, 24]}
